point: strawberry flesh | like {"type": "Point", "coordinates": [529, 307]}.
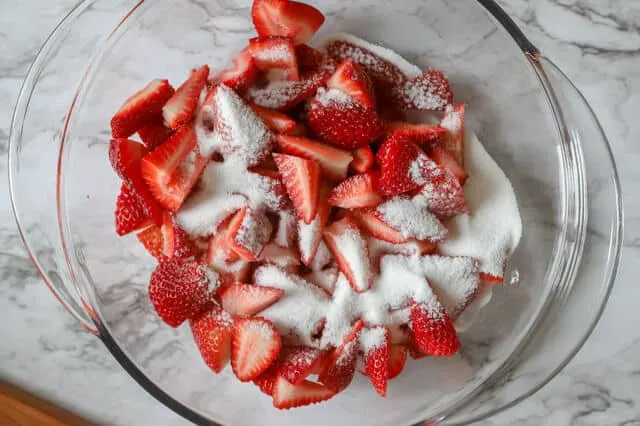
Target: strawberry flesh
{"type": "Point", "coordinates": [422, 134]}
{"type": "Point", "coordinates": [370, 222]}
{"type": "Point", "coordinates": [249, 232]}
{"type": "Point", "coordinates": [363, 159]}
{"type": "Point", "coordinates": [212, 333]}
{"type": "Point", "coordinates": [176, 242]}
{"type": "Point", "coordinates": [344, 240]}
{"type": "Point", "coordinates": [341, 366]}
{"type": "Point", "coordinates": [276, 121]}
{"type": "Point", "coordinates": [255, 346]}
{"type": "Point", "coordinates": [427, 92]}
{"type": "Point", "coordinates": [151, 239]}
{"type": "Point", "coordinates": [334, 162]}
{"type": "Point", "coordinates": [243, 73]}
{"type": "Point", "coordinates": [246, 300]}
{"type": "Point", "coordinates": [352, 80]}
{"type": "Point", "coordinates": [287, 395]}
{"type": "Point", "coordinates": [125, 156]}
{"type": "Point", "coordinates": [453, 123]}
{"type": "Point", "coordinates": [286, 18]}
{"type": "Point", "coordinates": [397, 360]}
{"type": "Point", "coordinates": [154, 133]}
{"type": "Point", "coordinates": [296, 363]}
{"type": "Point", "coordinates": [357, 191]}
{"type": "Point", "coordinates": [276, 57]}
{"type": "Point", "coordinates": [302, 180]}
{"type": "Point", "coordinates": [183, 104]}
{"type": "Point", "coordinates": [449, 163]}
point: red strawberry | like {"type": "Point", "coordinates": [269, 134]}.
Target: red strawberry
{"type": "Point", "coordinates": [284, 257]}
{"type": "Point", "coordinates": [310, 235]}
{"type": "Point", "coordinates": [286, 395]}
{"type": "Point", "coordinates": [172, 169]}
{"type": "Point", "coordinates": [276, 121]}
{"type": "Point", "coordinates": [176, 242]}
{"type": "Point", "coordinates": [397, 359]}
{"type": "Point", "coordinates": [444, 196]}
{"type": "Point", "coordinates": [357, 191]}
{"type": "Point", "coordinates": [326, 279]}
{"type": "Point", "coordinates": [345, 242]}
{"type": "Point", "coordinates": [351, 79]}
{"type": "Point", "coordinates": [363, 159]}
{"type": "Point", "coordinates": [180, 289]}
{"type": "Point", "coordinates": [411, 219]}
{"type": "Point", "coordinates": [426, 247]}
{"type": "Point", "coordinates": [212, 333]}
{"type": "Point", "coordinates": [286, 233]}
{"type": "Point", "coordinates": [266, 380]}
{"type": "Point", "coordinates": [154, 133]}
{"type": "Point", "coordinates": [422, 134]}
{"type": "Point", "coordinates": [219, 249]}
{"type": "Point", "coordinates": [140, 108]}
{"type": "Point", "coordinates": [151, 239]}
{"type": "Point", "coordinates": [246, 300]}
{"type": "Point", "coordinates": [309, 59]}
{"type": "Point", "coordinates": [375, 343]}
{"type": "Point", "coordinates": [449, 163]}
{"type": "Point", "coordinates": [342, 363]}
{"type": "Point", "coordinates": [255, 346]}
{"type": "Point", "coordinates": [183, 104]}
{"type": "Point", "coordinates": [125, 156]}
{"type": "Point", "coordinates": [286, 18]}
{"type": "Point", "coordinates": [334, 162]}
{"type": "Point", "coordinates": [276, 56]}
{"type": "Point", "coordinates": [427, 92]}
{"type": "Point", "coordinates": [453, 122]}
{"type": "Point", "coordinates": [243, 73]}
{"type": "Point", "coordinates": [491, 279]}
{"type": "Point", "coordinates": [249, 232]}
{"type": "Point", "coordinates": [296, 363]}
{"type": "Point", "coordinates": [302, 179]}
{"type": "Point", "coordinates": [370, 222]}
{"type": "Point", "coordinates": [432, 330]}
{"type": "Point", "coordinates": [131, 214]}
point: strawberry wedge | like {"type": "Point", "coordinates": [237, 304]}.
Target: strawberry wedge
{"type": "Point", "coordinates": [334, 162]}
{"type": "Point", "coordinates": [286, 18]}
{"type": "Point", "coordinates": [183, 104]}
{"type": "Point", "coordinates": [255, 346]}
{"type": "Point", "coordinates": [351, 79]}
{"type": "Point", "coordinates": [345, 242]}
{"type": "Point", "coordinates": [243, 73]}
{"type": "Point", "coordinates": [275, 56]}
{"type": "Point", "coordinates": [212, 333]}
{"type": "Point", "coordinates": [276, 121]}
{"type": "Point", "coordinates": [247, 299]}
{"type": "Point", "coordinates": [358, 191]}
{"type": "Point", "coordinates": [302, 179]}
{"type": "Point", "coordinates": [453, 123]}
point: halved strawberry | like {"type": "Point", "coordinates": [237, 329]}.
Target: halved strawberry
{"type": "Point", "coordinates": [370, 222]}
{"type": "Point", "coordinates": [140, 108]}
{"type": "Point", "coordinates": [357, 191]}
{"type": "Point", "coordinates": [310, 235]}
{"type": "Point", "coordinates": [397, 359]}
{"type": "Point", "coordinates": [309, 59]}
{"type": "Point", "coordinates": [351, 79]}
{"type": "Point", "coordinates": [444, 196]}
{"type": "Point", "coordinates": [345, 242]}
{"type": "Point", "coordinates": [432, 329]}
{"type": "Point", "coordinates": [453, 122]}
{"type": "Point", "coordinates": [449, 163]}
{"type": "Point", "coordinates": [302, 179]}
{"type": "Point", "coordinates": [375, 343]}
{"type": "Point", "coordinates": [249, 232]}
{"type": "Point", "coordinates": [154, 133]}
{"type": "Point", "coordinates": [255, 346]}
{"type": "Point", "coordinates": [286, 18]}
{"type": "Point", "coordinates": [183, 104]}
{"type": "Point", "coordinates": [427, 92]}
{"type": "Point", "coordinates": [363, 159]}
{"type": "Point", "coordinates": [341, 365]}
{"type": "Point", "coordinates": [176, 242]}
{"type": "Point", "coordinates": [125, 156]}
{"type": "Point", "coordinates": [422, 134]}
{"type": "Point", "coordinates": [246, 300]}
{"type": "Point", "coordinates": [276, 121]}
{"type": "Point", "coordinates": [287, 395]}
{"type": "Point", "coordinates": [243, 74]}
{"type": "Point", "coordinates": [181, 289]}
{"type": "Point", "coordinates": [276, 57]}
{"type": "Point", "coordinates": [296, 363]}
{"type": "Point", "coordinates": [131, 214]}
{"type": "Point", "coordinates": [212, 333]}
{"type": "Point", "coordinates": [334, 162]}
{"type": "Point", "coordinates": [151, 239]}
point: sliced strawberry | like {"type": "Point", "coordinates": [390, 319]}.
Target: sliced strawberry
{"type": "Point", "coordinates": [176, 242]}
{"type": "Point", "coordinates": [491, 279]}
{"type": "Point", "coordinates": [302, 179]}
{"type": "Point", "coordinates": [246, 300]}
{"type": "Point", "coordinates": [172, 169]}
{"type": "Point", "coordinates": [284, 257]}
{"type": "Point", "coordinates": [286, 395]}
{"type": "Point", "coordinates": [334, 162]}
{"type": "Point", "coordinates": [276, 121]}
{"type": "Point", "coordinates": [375, 343]}
{"type": "Point", "coordinates": [180, 108]}
{"type": "Point", "coordinates": [243, 73]}
{"type": "Point", "coordinates": [422, 134]}
{"type": "Point", "coordinates": [326, 279]}
{"type": "Point", "coordinates": [453, 122]}
{"type": "Point", "coordinates": [287, 231]}
{"type": "Point", "coordinates": [310, 235]}
{"type": "Point", "coordinates": [341, 366]}
{"type": "Point", "coordinates": [286, 18]}
{"type": "Point", "coordinates": [255, 346]}
{"type": "Point", "coordinates": [296, 363]}
{"type": "Point", "coordinates": [449, 163]}
{"type": "Point", "coordinates": [432, 329]}
{"type": "Point", "coordinates": [181, 289]}
{"type": "Point", "coordinates": [154, 133]}
{"type": "Point", "coordinates": [363, 159]}
{"type": "Point", "coordinates": [249, 232]}
{"type": "Point", "coordinates": [309, 59]}
{"type": "Point", "coordinates": [345, 242]}
{"type": "Point", "coordinates": [428, 92]}
{"type": "Point", "coordinates": [125, 156]}
{"type": "Point", "coordinates": [266, 380]}
{"type": "Point", "coordinates": [426, 247]}
{"type": "Point", "coordinates": [351, 79]}
{"type": "Point", "coordinates": [140, 108]}
{"type": "Point", "coordinates": [454, 280]}
{"type": "Point", "coordinates": [151, 239]}
{"type": "Point", "coordinates": [275, 187]}
{"type": "Point", "coordinates": [444, 196]}
{"type": "Point", "coordinates": [131, 214]}
{"type": "Point", "coordinates": [212, 333]}
{"type": "Point", "coordinates": [357, 191]}
{"type": "Point", "coordinates": [276, 56]}
{"type": "Point", "coordinates": [411, 219]}
{"type": "Point", "coordinates": [219, 248]}
{"type": "Point", "coordinates": [370, 222]}
{"type": "Point", "coordinates": [397, 359]}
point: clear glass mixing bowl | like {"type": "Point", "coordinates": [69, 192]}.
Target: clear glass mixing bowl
{"type": "Point", "coordinates": [531, 118]}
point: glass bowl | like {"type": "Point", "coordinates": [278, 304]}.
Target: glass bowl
{"type": "Point", "coordinates": [531, 118]}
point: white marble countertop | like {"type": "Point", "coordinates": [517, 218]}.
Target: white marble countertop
{"type": "Point", "coordinates": [596, 42]}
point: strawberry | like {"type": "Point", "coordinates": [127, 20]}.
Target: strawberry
{"type": "Point", "coordinates": [357, 191]}
{"type": "Point", "coordinates": [370, 222]}
{"type": "Point", "coordinates": [449, 163]}
{"type": "Point", "coordinates": [212, 333]}
{"type": "Point", "coordinates": [131, 214]}
{"type": "Point", "coordinates": [286, 18]}
{"type": "Point", "coordinates": [249, 232]}
{"type": "Point", "coordinates": [376, 342]}
{"type": "Point", "coordinates": [125, 156]}
{"type": "Point", "coordinates": [309, 59]}
{"type": "Point", "coordinates": [140, 108]}
{"type": "Point", "coordinates": [453, 123]}
{"type": "Point", "coordinates": [151, 239]}
{"type": "Point", "coordinates": [154, 133]}
{"type": "Point", "coordinates": [444, 196]}
{"type": "Point", "coordinates": [426, 247]}
{"type": "Point", "coordinates": [352, 80]}
{"type": "Point", "coordinates": [363, 159]}
{"type": "Point", "coordinates": [296, 363]}
{"type": "Point", "coordinates": [287, 230]}
{"type": "Point", "coordinates": [219, 247]}
{"type": "Point", "coordinates": [422, 134]}
{"type": "Point", "coordinates": [243, 73]}
{"type": "Point", "coordinates": [180, 108]}
{"type": "Point", "coordinates": [180, 289]}
{"type": "Point", "coordinates": [246, 300]}
{"type": "Point", "coordinates": [326, 279]}
{"type": "Point", "coordinates": [302, 179]}
{"type": "Point", "coordinates": [176, 242]}
{"type": "Point", "coordinates": [341, 365]}
{"type": "Point", "coordinates": [334, 162]}
{"type": "Point", "coordinates": [255, 346]}
{"type": "Point", "coordinates": [266, 380]}
{"type": "Point", "coordinates": [310, 235]}
{"type": "Point", "coordinates": [491, 279]}
{"type": "Point", "coordinates": [342, 120]}
{"type": "Point", "coordinates": [427, 92]}
{"type": "Point", "coordinates": [344, 240]}
{"type": "Point", "coordinates": [397, 359]}
{"type": "Point", "coordinates": [287, 395]}
{"type": "Point", "coordinates": [173, 168]}
{"type": "Point", "coordinates": [276, 56]}
{"type": "Point", "coordinates": [432, 329]}
{"type": "Point", "coordinates": [276, 121]}
{"type": "Point", "coordinates": [411, 219]}
{"type": "Point", "coordinates": [284, 257]}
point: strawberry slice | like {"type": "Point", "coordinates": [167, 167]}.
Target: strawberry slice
{"type": "Point", "coordinates": [286, 18]}
{"type": "Point", "coordinates": [397, 360]}
{"type": "Point", "coordinates": [427, 92]}
{"type": "Point", "coordinates": [246, 300]}
{"type": "Point", "coordinates": [363, 159]}
{"type": "Point", "coordinates": [141, 108]}
{"type": "Point", "coordinates": [287, 231]}
{"type": "Point", "coordinates": [296, 363]}
{"type": "Point", "coordinates": [176, 242]}
{"type": "Point", "coordinates": [266, 380]}
{"type": "Point", "coordinates": [212, 333]}
{"type": "Point", "coordinates": [181, 289]}
{"type": "Point", "coordinates": [432, 329]}
{"type": "Point", "coordinates": [183, 104]}
{"type": "Point", "coordinates": [370, 222]}
{"type": "Point", "coordinates": [357, 191]}
{"type": "Point", "coordinates": [255, 346]}
{"type": "Point", "coordinates": [309, 59]}
{"type": "Point", "coordinates": [341, 365]}
{"type": "Point", "coordinates": [449, 163]}
{"type": "Point", "coordinates": [131, 214]}
{"type": "Point", "coordinates": [219, 247]}
{"type": "Point", "coordinates": [243, 73]}
{"type": "Point", "coordinates": [287, 395]}
{"type": "Point", "coordinates": [334, 162]}
{"type": "Point", "coordinates": [125, 156]}
{"type": "Point", "coordinates": [352, 80]}
{"type": "Point", "coordinates": [443, 196]}
{"type": "Point", "coordinates": [284, 257]}
{"type": "Point", "coordinates": [276, 121]}
{"type": "Point", "coordinates": [375, 343]}
{"type": "Point", "coordinates": [422, 134]}
{"type": "Point", "coordinates": [411, 219]}
{"type": "Point", "coordinates": [249, 232]}
{"type": "Point", "coordinates": [154, 133]}
{"type": "Point", "coordinates": [453, 123]}
{"type": "Point", "coordinates": [302, 180]}
{"type": "Point", "coordinates": [344, 240]}
{"type": "Point", "coordinates": [172, 169]}
{"type": "Point", "coordinates": [310, 235]}
{"type": "Point", "coordinates": [151, 239]}
{"type": "Point", "coordinates": [276, 56]}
